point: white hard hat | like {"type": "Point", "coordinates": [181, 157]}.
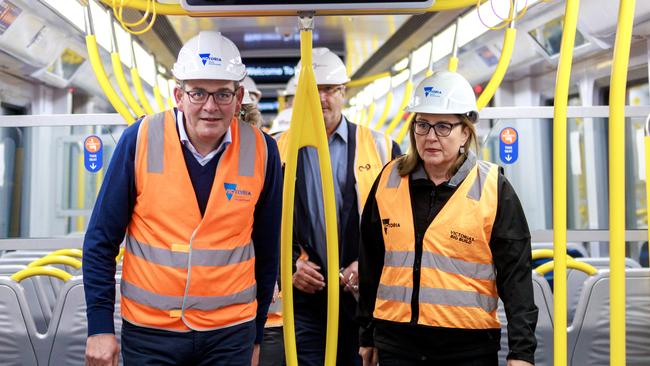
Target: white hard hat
{"type": "Point", "coordinates": [250, 85]}
{"type": "Point", "coordinates": [247, 98]}
{"type": "Point", "coordinates": [444, 92]}
{"type": "Point", "coordinates": [290, 89]}
{"type": "Point", "coordinates": [281, 122]}
{"type": "Point", "coordinates": [328, 67]}
{"type": "Point", "coordinates": [211, 56]}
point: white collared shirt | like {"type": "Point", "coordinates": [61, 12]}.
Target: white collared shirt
{"type": "Point", "coordinates": [185, 140]}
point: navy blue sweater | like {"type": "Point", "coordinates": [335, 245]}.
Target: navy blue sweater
{"type": "Point", "coordinates": [112, 214]}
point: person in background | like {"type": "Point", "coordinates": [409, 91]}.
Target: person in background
{"type": "Point", "coordinates": [198, 195]}
{"type": "Point", "coordinates": [255, 93]}
{"type": "Point", "coordinates": [357, 155]}
{"type": "Point", "coordinates": [249, 113]}
{"type": "Point", "coordinates": [443, 237]}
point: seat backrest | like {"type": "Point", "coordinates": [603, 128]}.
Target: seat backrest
{"type": "Point", "coordinates": [16, 327]}
{"type": "Point", "coordinates": [543, 331]}
{"type": "Point", "coordinates": [25, 254]}
{"type": "Point", "coordinates": [588, 335]}
{"type": "Point", "coordinates": [576, 279]}
{"type": "Point", "coordinates": [69, 326]}
{"type": "Point", "coordinates": [9, 269]}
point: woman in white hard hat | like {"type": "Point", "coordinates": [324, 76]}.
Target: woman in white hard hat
{"type": "Point", "coordinates": [444, 237]}
{"type": "Point", "coordinates": [249, 112]}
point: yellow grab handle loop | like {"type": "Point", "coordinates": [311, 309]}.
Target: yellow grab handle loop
{"type": "Point", "coordinates": [453, 64]}
{"type": "Point", "coordinates": [500, 71]}
{"type": "Point", "coordinates": [544, 253]}
{"type": "Point", "coordinates": [570, 263]}
{"type": "Point", "coordinates": [124, 86]}
{"type": "Point", "coordinates": [387, 104]}
{"type": "Point", "coordinates": [159, 98]}
{"type": "Point", "coordinates": [408, 89]}
{"type": "Point", "coordinates": [113, 98]}
{"type": "Point", "coordinates": [137, 84]}
{"type": "Point", "coordinates": [41, 271]}
{"type": "Point", "coordinates": [55, 259]}
{"type": "Point", "coordinates": [404, 129]}
{"type": "Point", "coordinates": [77, 253]}
{"type": "Point", "coordinates": [307, 128]}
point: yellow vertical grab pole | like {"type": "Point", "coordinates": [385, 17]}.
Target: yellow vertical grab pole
{"type": "Point", "coordinates": [119, 75]}
{"type": "Point", "coordinates": [617, 181]}
{"type": "Point", "coordinates": [160, 101]}
{"type": "Point", "coordinates": [559, 182]}
{"type": "Point", "coordinates": [98, 68]}
{"type": "Point", "coordinates": [647, 177]}
{"type": "Point", "coordinates": [308, 129]}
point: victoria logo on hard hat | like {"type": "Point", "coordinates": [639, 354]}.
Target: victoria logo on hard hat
{"type": "Point", "coordinates": [206, 59]}
{"type": "Point", "coordinates": [430, 91]}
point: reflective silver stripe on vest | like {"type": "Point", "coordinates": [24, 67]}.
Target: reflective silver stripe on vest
{"type": "Point", "coordinates": [479, 271]}
{"type": "Point", "coordinates": [200, 257]}
{"type": "Point", "coordinates": [395, 258]}
{"type": "Point", "coordinates": [394, 293]}
{"type": "Point", "coordinates": [438, 296]}
{"type": "Point", "coordinates": [380, 144]}
{"type": "Point", "coordinates": [477, 188]}
{"type": "Point", "coordinates": [266, 155]}
{"type": "Point", "coordinates": [247, 148]}
{"type": "Point", "coordinates": [156, 143]}
{"type": "Point", "coordinates": [204, 303]}
{"type": "Point", "coordinates": [394, 179]}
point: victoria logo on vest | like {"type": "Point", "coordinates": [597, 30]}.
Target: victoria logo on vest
{"type": "Point", "coordinates": [387, 224]}
{"type": "Point", "coordinates": [463, 238]}
{"type": "Point", "coordinates": [239, 194]}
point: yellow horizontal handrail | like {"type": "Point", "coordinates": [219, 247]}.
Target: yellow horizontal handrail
{"type": "Point", "coordinates": [41, 271]}
{"type": "Point", "coordinates": [570, 263]}
{"type": "Point", "coordinates": [77, 253]}
{"type": "Point", "coordinates": [55, 259]}
{"type": "Point", "coordinates": [176, 9]}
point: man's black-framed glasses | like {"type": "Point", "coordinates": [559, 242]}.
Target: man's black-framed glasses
{"type": "Point", "coordinates": [441, 129]}
{"type": "Point", "coordinates": [221, 97]}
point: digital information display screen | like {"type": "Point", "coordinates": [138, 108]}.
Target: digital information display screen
{"type": "Point", "coordinates": [271, 70]}
{"type": "Point", "coordinates": [301, 5]}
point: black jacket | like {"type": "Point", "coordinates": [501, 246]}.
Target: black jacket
{"type": "Point", "coordinates": [305, 236]}
{"type": "Point", "coordinates": [510, 246]}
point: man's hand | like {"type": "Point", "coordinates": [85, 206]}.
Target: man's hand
{"type": "Point", "coordinates": [255, 361]}
{"type": "Point", "coordinates": [349, 278]}
{"type": "Point", "coordinates": [102, 350]}
{"type": "Point", "coordinates": [519, 363]}
{"type": "Point", "coordinates": [307, 278]}
{"type": "Point", "coordinates": [276, 293]}
{"type": "Point", "coordinates": [369, 356]}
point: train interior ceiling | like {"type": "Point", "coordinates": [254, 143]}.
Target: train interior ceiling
{"type": "Point", "coordinates": [47, 192]}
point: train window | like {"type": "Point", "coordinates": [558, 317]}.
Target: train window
{"type": "Point", "coordinates": [635, 181]}
{"type": "Point", "coordinates": [549, 37]}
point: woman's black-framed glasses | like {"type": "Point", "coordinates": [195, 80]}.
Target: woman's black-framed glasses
{"type": "Point", "coordinates": [221, 97]}
{"type": "Point", "coordinates": [441, 129]}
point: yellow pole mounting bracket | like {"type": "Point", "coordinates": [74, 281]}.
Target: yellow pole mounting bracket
{"type": "Point", "coordinates": [307, 128]}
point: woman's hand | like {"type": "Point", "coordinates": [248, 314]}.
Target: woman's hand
{"type": "Point", "coordinates": [518, 363]}
{"type": "Point", "coordinates": [369, 356]}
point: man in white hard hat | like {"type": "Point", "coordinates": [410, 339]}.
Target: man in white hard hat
{"type": "Point", "coordinates": [198, 195]}
{"type": "Point", "coordinates": [250, 85]}
{"type": "Point", "coordinates": [357, 157]}
{"type": "Point", "coordinates": [289, 91]}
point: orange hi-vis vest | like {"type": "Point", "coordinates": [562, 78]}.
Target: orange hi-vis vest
{"type": "Point", "coordinates": [274, 318]}
{"type": "Point", "coordinates": [373, 151]}
{"type": "Point", "coordinates": [182, 271]}
{"type": "Point", "coordinates": [457, 280]}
